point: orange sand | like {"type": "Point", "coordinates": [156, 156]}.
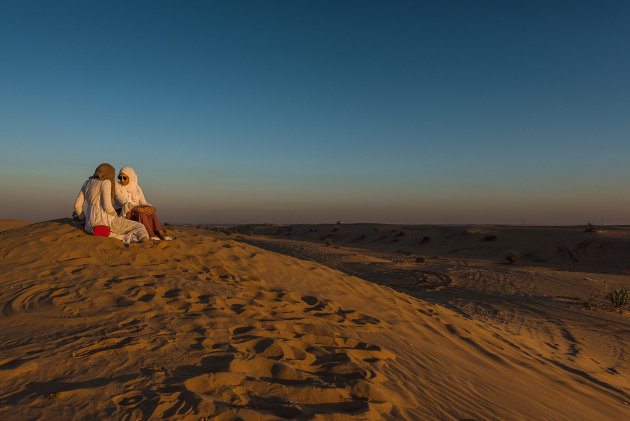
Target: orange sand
{"type": "Point", "coordinates": [213, 326]}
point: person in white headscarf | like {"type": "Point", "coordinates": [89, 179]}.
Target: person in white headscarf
{"type": "Point", "coordinates": [97, 196]}
{"type": "Point", "coordinates": [134, 206]}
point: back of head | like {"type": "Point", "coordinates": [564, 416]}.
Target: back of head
{"type": "Point", "coordinates": [106, 172]}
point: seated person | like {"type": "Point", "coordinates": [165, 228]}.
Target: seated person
{"type": "Point", "coordinates": [134, 206]}
{"type": "Point", "coordinates": [97, 194]}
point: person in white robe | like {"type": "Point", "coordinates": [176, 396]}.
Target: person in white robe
{"type": "Point", "coordinates": [96, 195]}
{"type": "Point", "coordinates": [134, 206]}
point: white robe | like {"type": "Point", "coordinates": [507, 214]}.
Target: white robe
{"type": "Point", "coordinates": [131, 195]}
{"type": "Point", "coordinates": [96, 194]}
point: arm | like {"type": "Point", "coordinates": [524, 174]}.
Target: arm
{"type": "Point", "coordinates": [120, 201]}
{"type": "Point", "coordinates": [121, 194]}
{"type": "Point", "coordinates": [78, 204]}
{"type": "Point", "coordinates": [106, 197]}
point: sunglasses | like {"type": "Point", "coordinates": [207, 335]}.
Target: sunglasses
{"type": "Point", "coordinates": [122, 177]}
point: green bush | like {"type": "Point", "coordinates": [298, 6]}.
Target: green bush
{"type": "Point", "coordinates": [512, 256]}
{"type": "Point", "coordinates": [619, 299]}
{"type": "Point", "coordinates": [329, 242]}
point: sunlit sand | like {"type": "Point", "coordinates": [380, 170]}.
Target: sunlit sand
{"type": "Point", "coordinates": [314, 322]}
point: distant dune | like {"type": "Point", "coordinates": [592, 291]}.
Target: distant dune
{"type": "Point", "coordinates": [285, 325]}
{"type": "Point", "coordinates": [570, 248]}
{"type": "Point", "coordinates": [6, 224]}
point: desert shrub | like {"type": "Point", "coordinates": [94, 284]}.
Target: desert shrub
{"type": "Point", "coordinates": [490, 237]}
{"type": "Point", "coordinates": [198, 226]}
{"type": "Point", "coordinates": [590, 227]}
{"type": "Point", "coordinates": [240, 237]}
{"type": "Point", "coordinates": [400, 234]}
{"type": "Point", "coordinates": [227, 232]}
{"type": "Point", "coordinates": [328, 242]}
{"type": "Point", "coordinates": [420, 259]}
{"type": "Point", "coordinates": [590, 305]}
{"type": "Point", "coordinates": [335, 229]}
{"type": "Point", "coordinates": [250, 232]}
{"type": "Point", "coordinates": [619, 299]}
{"type": "Point", "coordinates": [512, 256]}
{"type": "Point", "coordinates": [335, 246]}
{"type": "Point", "coordinates": [425, 240]}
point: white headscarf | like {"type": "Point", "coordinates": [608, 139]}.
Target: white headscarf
{"type": "Point", "coordinates": [131, 189]}
{"type": "Point", "coordinates": [131, 195]}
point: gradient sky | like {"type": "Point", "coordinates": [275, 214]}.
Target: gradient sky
{"type": "Point", "coordinates": [312, 111]}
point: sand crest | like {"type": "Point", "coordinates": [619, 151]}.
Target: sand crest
{"type": "Point", "coordinates": [6, 224]}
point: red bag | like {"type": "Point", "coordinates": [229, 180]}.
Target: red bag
{"type": "Point", "coordinates": [101, 230]}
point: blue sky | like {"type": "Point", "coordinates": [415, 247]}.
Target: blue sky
{"type": "Point", "coordinates": [304, 111]}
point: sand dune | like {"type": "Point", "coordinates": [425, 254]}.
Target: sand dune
{"type": "Point", "coordinates": [570, 248]}
{"type": "Point", "coordinates": [6, 224]}
{"type": "Point", "coordinates": [210, 327]}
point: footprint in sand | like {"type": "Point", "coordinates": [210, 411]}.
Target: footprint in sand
{"type": "Point", "coordinates": [362, 319]}
{"type": "Point", "coordinates": [260, 360]}
{"type": "Point", "coordinates": [240, 330]}
{"type": "Point", "coordinates": [32, 299]}
{"type": "Point", "coordinates": [174, 404]}
{"type": "Point", "coordinates": [217, 361]}
{"type": "Point", "coordinates": [171, 293]}
{"type": "Point", "coordinates": [132, 398]}
{"type": "Point", "coordinates": [101, 346]}
{"type": "Point", "coordinates": [11, 363]}
{"type": "Point", "coordinates": [146, 298]}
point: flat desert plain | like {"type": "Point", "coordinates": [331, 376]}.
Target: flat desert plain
{"type": "Point", "coordinates": [314, 322]}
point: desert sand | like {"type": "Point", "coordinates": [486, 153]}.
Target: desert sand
{"type": "Point", "coordinates": [314, 322]}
